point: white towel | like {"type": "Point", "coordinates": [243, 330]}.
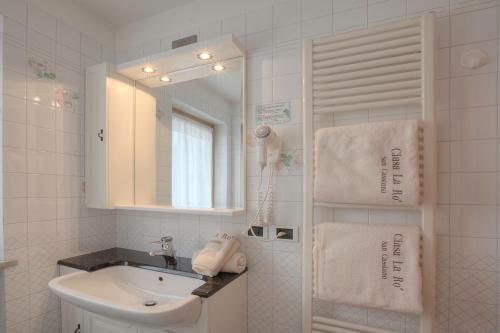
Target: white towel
{"type": "Point", "coordinates": [236, 264]}
{"type": "Point", "coordinates": [372, 163]}
{"type": "Point", "coordinates": [215, 254]}
{"type": "Point", "coordinates": [368, 265]}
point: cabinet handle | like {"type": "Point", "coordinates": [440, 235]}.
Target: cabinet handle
{"type": "Point", "coordinates": [77, 330]}
{"type": "Point", "coordinates": [100, 134]}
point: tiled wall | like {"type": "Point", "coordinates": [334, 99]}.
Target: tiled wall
{"type": "Point", "coordinates": [44, 216]}
{"type": "Point", "coordinates": [468, 159]}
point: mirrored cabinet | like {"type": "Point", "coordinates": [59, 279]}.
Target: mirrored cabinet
{"type": "Point", "coordinates": [166, 132]}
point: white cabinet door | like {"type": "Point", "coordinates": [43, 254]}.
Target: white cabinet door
{"type": "Point", "coordinates": [109, 138]}
{"type": "Point", "coordinates": [96, 195]}
{"type": "Point", "coordinates": [72, 318]}
{"type": "Point", "coordinates": [97, 324]}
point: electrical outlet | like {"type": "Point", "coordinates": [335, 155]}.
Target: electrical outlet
{"type": "Point", "coordinates": [291, 233]}
{"type": "Point", "coordinates": [259, 231]}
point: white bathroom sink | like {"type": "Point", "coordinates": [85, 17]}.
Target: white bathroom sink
{"type": "Point", "coordinates": [121, 292]}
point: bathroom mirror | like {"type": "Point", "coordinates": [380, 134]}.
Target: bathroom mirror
{"type": "Point", "coordinates": [189, 129]}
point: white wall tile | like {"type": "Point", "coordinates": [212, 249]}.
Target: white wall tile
{"type": "Point", "coordinates": [343, 5]}
{"type": "Point", "coordinates": [91, 48]}
{"type": "Point", "coordinates": [260, 66]}
{"type": "Point", "coordinates": [286, 13]}
{"type": "Point", "coordinates": [286, 34]}
{"type": "Point", "coordinates": [287, 87]}
{"type": "Point", "coordinates": [14, 58]}
{"type": "Point", "coordinates": [443, 32]}
{"type": "Point", "coordinates": [210, 30]}
{"type": "Point", "coordinates": [259, 41]}
{"type": "Point", "coordinates": [424, 5]}
{"type": "Point", "coordinates": [14, 84]}
{"type": "Point", "coordinates": [473, 91]}
{"type": "Point", "coordinates": [259, 20]}
{"type": "Point", "coordinates": [474, 156]}
{"type": "Point", "coordinates": [39, 43]}
{"type": "Point", "coordinates": [235, 25]}
{"type": "Point", "coordinates": [316, 8]}
{"type": "Point", "coordinates": [15, 31]}
{"type": "Point", "coordinates": [468, 124]}
{"type": "Point", "coordinates": [68, 57]}
{"type": "Point", "coordinates": [386, 10]}
{"type": "Point", "coordinates": [42, 22]}
{"type": "Point", "coordinates": [15, 10]}
{"type": "Point", "coordinates": [474, 27]}
{"type": "Point", "coordinates": [473, 188]}
{"type": "Point", "coordinates": [442, 63]}
{"type": "Point", "coordinates": [473, 221]}
{"type": "Point", "coordinates": [350, 20]}
{"type": "Point", "coordinates": [14, 109]}
{"type": "Point", "coordinates": [317, 26]}
{"type": "Point", "coordinates": [68, 36]}
{"type": "Point", "coordinates": [14, 186]}
{"type": "Point", "coordinates": [14, 135]}
{"type": "Point", "coordinates": [287, 61]}
{"type": "Point", "coordinates": [15, 211]}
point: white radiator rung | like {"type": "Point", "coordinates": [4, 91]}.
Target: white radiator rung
{"type": "Point", "coordinates": [350, 327]}
{"type": "Point", "coordinates": [359, 206]}
{"type": "Point", "coordinates": [368, 73]}
{"type": "Point", "coordinates": [390, 44]}
{"type": "Point", "coordinates": [389, 95]}
{"type": "Point", "coordinates": [366, 89]}
{"type": "Point", "coordinates": [369, 105]}
{"type": "Point", "coordinates": [368, 32]}
{"type": "Point", "coordinates": [368, 81]}
{"type": "Point", "coordinates": [367, 40]}
{"type": "Point", "coordinates": [331, 329]}
{"type": "Point", "coordinates": [369, 64]}
{"type": "Point", "coordinates": [397, 51]}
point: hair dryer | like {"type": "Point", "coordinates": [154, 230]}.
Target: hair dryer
{"type": "Point", "coordinates": [268, 145]}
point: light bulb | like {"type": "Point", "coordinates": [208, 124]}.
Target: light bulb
{"type": "Point", "coordinates": [204, 56]}
{"type": "Point", "coordinates": [218, 67]}
{"type": "Point", "coordinates": [148, 69]}
{"type": "Point", "coordinates": [165, 78]}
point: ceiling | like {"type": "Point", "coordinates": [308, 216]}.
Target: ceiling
{"type": "Point", "coordinates": [120, 12]}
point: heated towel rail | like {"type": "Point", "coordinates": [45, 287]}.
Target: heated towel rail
{"type": "Point", "coordinates": [359, 76]}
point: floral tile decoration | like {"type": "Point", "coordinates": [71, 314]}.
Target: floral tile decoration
{"type": "Point", "coordinates": [41, 69]}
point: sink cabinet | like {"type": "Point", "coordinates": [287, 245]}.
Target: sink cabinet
{"type": "Point", "coordinates": [96, 324]}
{"type": "Point", "coordinates": [223, 312]}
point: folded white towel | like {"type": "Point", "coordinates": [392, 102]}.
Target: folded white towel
{"type": "Point", "coordinates": [215, 254]}
{"type": "Point", "coordinates": [368, 265]}
{"type": "Point", "coordinates": [236, 264]}
{"type": "Point", "coordinates": [372, 163]}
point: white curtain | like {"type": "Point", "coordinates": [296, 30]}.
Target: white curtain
{"type": "Point", "coordinates": [191, 163]}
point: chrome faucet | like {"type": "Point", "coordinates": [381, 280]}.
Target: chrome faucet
{"type": "Point", "coordinates": [167, 249]}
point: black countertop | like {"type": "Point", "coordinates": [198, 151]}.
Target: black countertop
{"type": "Point", "coordinates": [123, 257]}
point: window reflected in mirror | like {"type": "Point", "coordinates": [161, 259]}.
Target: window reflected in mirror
{"type": "Point", "coordinates": [188, 139]}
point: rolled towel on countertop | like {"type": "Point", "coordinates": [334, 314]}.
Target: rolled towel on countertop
{"type": "Point", "coordinates": [215, 255]}
{"type": "Point", "coordinates": [236, 264]}
{"type": "Point", "coordinates": [375, 163]}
